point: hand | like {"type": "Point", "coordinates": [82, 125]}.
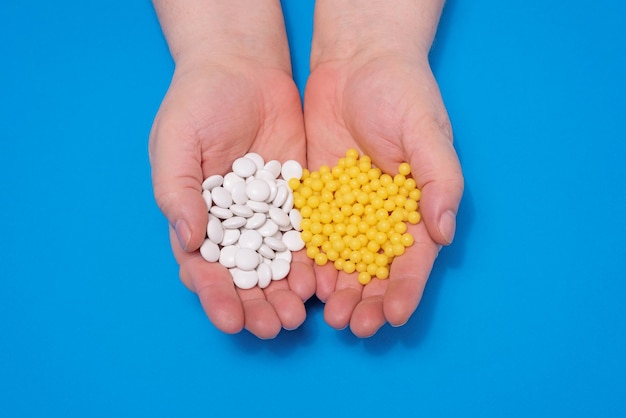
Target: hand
{"type": "Point", "coordinates": [389, 107]}
{"type": "Point", "coordinates": [211, 115]}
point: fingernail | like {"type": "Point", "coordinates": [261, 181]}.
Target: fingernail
{"type": "Point", "coordinates": [447, 225]}
{"type": "Point", "coordinates": [182, 233]}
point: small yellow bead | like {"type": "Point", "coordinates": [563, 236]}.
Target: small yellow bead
{"type": "Point", "coordinates": [382, 273]}
{"type": "Point", "coordinates": [373, 246]}
{"type": "Point", "coordinates": [362, 198]}
{"type": "Point", "coordinates": [358, 209]}
{"type": "Point", "coordinates": [306, 191]}
{"type": "Point", "coordinates": [324, 169]}
{"type": "Point", "coordinates": [350, 162]}
{"type": "Point", "coordinates": [383, 225]}
{"type": "Point", "coordinates": [375, 184]}
{"type": "Point", "coordinates": [371, 269]}
{"type": "Point", "coordinates": [306, 236]}
{"type": "Point", "coordinates": [399, 179]}
{"type": "Point", "coordinates": [305, 173]}
{"type": "Point", "coordinates": [332, 254]}
{"type": "Point", "coordinates": [331, 186]}
{"type": "Point", "coordinates": [398, 249]}
{"type": "Point", "coordinates": [407, 239]}
{"type": "Point", "coordinates": [326, 218]}
{"type": "Point", "coordinates": [326, 246]}
{"type": "Point", "coordinates": [321, 259]}
{"type": "Point", "coordinates": [340, 228]}
{"type": "Point", "coordinates": [410, 205]}
{"type": "Point", "coordinates": [388, 251]}
{"type": "Point", "coordinates": [355, 256]}
{"type": "Point", "coordinates": [317, 240]}
{"type": "Point", "coordinates": [306, 211]}
{"type": "Point", "coordinates": [410, 184]}
{"type": "Point", "coordinates": [374, 174]}
{"type": "Point", "coordinates": [354, 171]}
{"type": "Point", "coordinates": [349, 267]}
{"type": "Point", "coordinates": [317, 185]}
{"type": "Point", "coordinates": [415, 194]}
{"type": "Point", "coordinates": [328, 229]}
{"type": "Point", "coordinates": [386, 180]}
{"type": "Point", "coordinates": [404, 169]}
{"type": "Point", "coordinates": [352, 153]}
{"type": "Point", "coordinates": [414, 217]}
{"type": "Point", "coordinates": [400, 227]}
{"type": "Point", "coordinates": [312, 251]}
{"type": "Point", "coordinates": [389, 205]}
{"type": "Point", "coordinates": [363, 227]}
{"type": "Point", "coordinates": [362, 179]}
{"type": "Point", "coordinates": [355, 244]}
{"type": "Point", "coordinates": [364, 277]}
{"type": "Point", "coordinates": [392, 189]}
{"type": "Point", "coordinates": [339, 263]}
{"type": "Point", "coordinates": [352, 230]}
{"type": "Point", "coordinates": [368, 256]}
{"type": "Point", "coordinates": [339, 245]}
{"type": "Point", "coordinates": [299, 201]}
{"type": "Point", "coordinates": [381, 214]}
{"type": "Point", "coordinates": [380, 237]}
{"type": "Point", "coordinates": [361, 267]}
{"type": "Point", "coordinates": [381, 260]}
{"type": "Point", "coordinates": [313, 201]}
{"type": "Point", "coordinates": [294, 183]}
{"type": "Point", "coordinates": [316, 228]}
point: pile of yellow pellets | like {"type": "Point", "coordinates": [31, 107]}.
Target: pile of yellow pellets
{"type": "Point", "coordinates": [355, 216]}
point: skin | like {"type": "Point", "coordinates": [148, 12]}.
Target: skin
{"type": "Point", "coordinates": [370, 88]}
{"type": "Point", "coordinates": [232, 92]}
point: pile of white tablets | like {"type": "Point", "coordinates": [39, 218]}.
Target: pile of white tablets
{"type": "Point", "coordinates": [253, 226]}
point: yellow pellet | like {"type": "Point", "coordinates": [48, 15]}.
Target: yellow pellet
{"type": "Point", "coordinates": [321, 259]}
{"type": "Point", "coordinates": [364, 277]}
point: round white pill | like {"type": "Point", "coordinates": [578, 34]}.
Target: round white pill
{"type": "Point", "coordinates": [295, 217]}
{"type": "Point", "coordinates": [244, 167]}
{"type": "Point", "coordinates": [268, 229]}
{"type": "Point", "coordinates": [257, 190]}
{"type": "Point", "coordinates": [219, 212]}
{"type": "Point", "coordinates": [280, 269]}
{"type": "Point", "coordinates": [273, 167]}
{"type": "Point", "coordinates": [246, 259]}
{"type": "Point", "coordinates": [215, 231]}
{"type": "Point", "coordinates": [227, 256]}
{"type": "Point", "coordinates": [291, 169]}
{"type": "Point", "coordinates": [231, 236]}
{"type": "Point", "coordinates": [293, 240]}
{"type": "Point", "coordinates": [250, 238]}
{"type": "Point", "coordinates": [257, 158]}
{"type": "Point", "coordinates": [279, 216]}
{"type": "Point", "coordinates": [275, 244]}
{"type": "Point", "coordinates": [281, 195]}
{"type": "Point", "coordinates": [239, 194]}
{"type": "Point", "coordinates": [266, 252]}
{"type": "Point", "coordinates": [212, 181]}
{"type": "Point", "coordinates": [258, 207]}
{"type": "Point", "coordinates": [206, 195]}
{"type": "Point", "coordinates": [241, 210]}
{"type": "Point", "coordinates": [244, 279]}
{"type": "Point", "coordinates": [266, 175]}
{"type": "Point", "coordinates": [256, 221]}
{"type": "Point", "coordinates": [209, 251]}
{"type": "Point", "coordinates": [284, 255]}
{"type": "Point", "coordinates": [221, 197]}
{"type": "Point", "coordinates": [234, 223]}
{"type": "Point", "coordinates": [264, 273]}
{"type": "Point", "coordinates": [288, 205]}
{"type": "Point", "coordinates": [230, 180]}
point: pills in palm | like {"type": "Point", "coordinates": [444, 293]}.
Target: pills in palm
{"type": "Point", "coordinates": [355, 216]}
{"type": "Point", "coordinates": [253, 226]}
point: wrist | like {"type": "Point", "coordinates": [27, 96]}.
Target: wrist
{"type": "Point", "coordinates": [205, 32]}
{"type": "Point", "coordinates": [365, 29]}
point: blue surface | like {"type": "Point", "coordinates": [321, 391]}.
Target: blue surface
{"type": "Point", "coordinates": [523, 316]}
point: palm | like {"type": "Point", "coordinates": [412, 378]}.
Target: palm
{"type": "Point", "coordinates": [209, 118]}
{"type": "Point", "coordinates": [388, 110]}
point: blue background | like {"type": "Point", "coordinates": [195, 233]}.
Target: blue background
{"type": "Point", "coordinates": [523, 316]}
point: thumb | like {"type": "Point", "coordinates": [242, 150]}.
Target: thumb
{"type": "Point", "coordinates": [177, 183]}
{"type": "Point", "coordinates": [437, 171]}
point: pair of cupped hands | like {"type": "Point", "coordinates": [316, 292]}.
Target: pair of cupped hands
{"type": "Point", "coordinates": [387, 106]}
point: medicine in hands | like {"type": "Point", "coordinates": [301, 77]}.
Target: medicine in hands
{"type": "Point", "coordinates": [253, 226]}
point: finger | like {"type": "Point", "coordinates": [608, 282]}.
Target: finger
{"type": "Point", "coordinates": [341, 303]}
{"type": "Point", "coordinates": [301, 277]}
{"type": "Point", "coordinates": [261, 318]}
{"type": "Point", "coordinates": [408, 276]}
{"type": "Point", "coordinates": [437, 171]}
{"type": "Point", "coordinates": [368, 315]}
{"type": "Point", "coordinates": [287, 304]}
{"type": "Point", "coordinates": [177, 182]}
{"type": "Point", "coordinates": [214, 287]}
{"type": "Point", "coordinates": [326, 281]}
